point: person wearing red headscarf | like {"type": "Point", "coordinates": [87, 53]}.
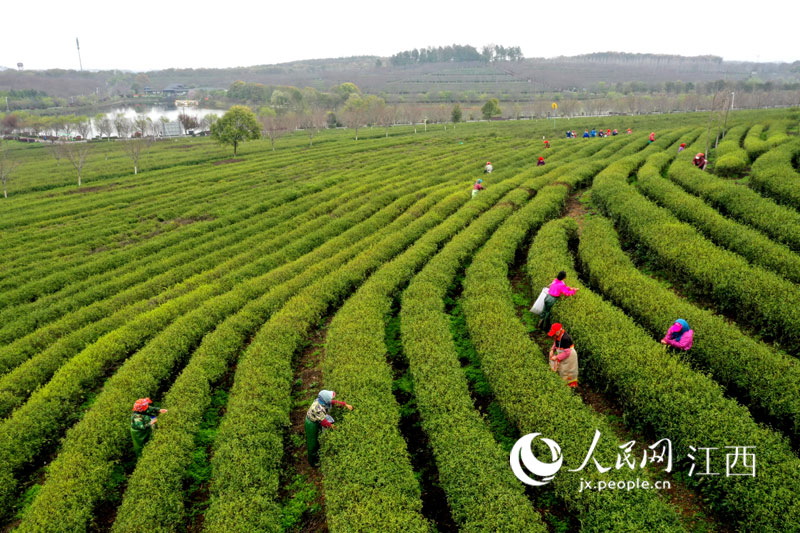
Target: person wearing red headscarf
{"type": "Point", "coordinates": [700, 161]}
{"type": "Point", "coordinates": [142, 421]}
{"type": "Point", "coordinates": [652, 137]}
{"type": "Point", "coordinates": [563, 357]}
{"type": "Point", "coordinates": [540, 163]}
{"type": "Point", "coordinates": [546, 143]}
{"type": "Point", "coordinates": [681, 147]}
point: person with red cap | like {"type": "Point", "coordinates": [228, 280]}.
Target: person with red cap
{"type": "Point", "coordinates": [681, 147]}
{"type": "Point", "coordinates": [563, 357]}
{"type": "Point", "coordinates": [700, 161]}
{"type": "Point", "coordinates": [546, 143]}
{"type": "Point", "coordinates": [652, 137]}
{"type": "Point", "coordinates": [557, 288]}
{"type": "Point", "coordinates": [540, 163]}
{"type": "Point", "coordinates": [318, 419]}
{"type": "Point", "coordinates": [488, 168]}
{"type": "Point", "coordinates": [629, 131]}
{"type": "Point", "coordinates": [142, 421]}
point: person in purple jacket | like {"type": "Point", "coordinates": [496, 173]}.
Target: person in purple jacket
{"type": "Point", "coordinates": [557, 288]}
{"type": "Point", "coordinates": [679, 335]}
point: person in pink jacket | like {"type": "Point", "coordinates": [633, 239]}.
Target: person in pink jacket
{"type": "Point", "coordinates": [679, 335]}
{"type": "Point", "coordinates": [557, 288]}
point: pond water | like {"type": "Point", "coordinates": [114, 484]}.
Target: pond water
{"type": "Point", "coordinates": [155, 113]}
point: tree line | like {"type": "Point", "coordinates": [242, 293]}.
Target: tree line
{"type": "Point", "coordinates": [459, 53]}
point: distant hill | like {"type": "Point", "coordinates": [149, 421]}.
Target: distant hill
{"type": "Point", "coordinates": [377, 75]}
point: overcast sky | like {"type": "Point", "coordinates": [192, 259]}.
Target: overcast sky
{"type": "Point", "coordinates": [191, 34]}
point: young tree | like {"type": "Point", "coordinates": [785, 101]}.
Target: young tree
{"type": "Point", "coordinates": [77, 152]}
{"type": "Point", "coordinates": [456, 115]}
{"type": "Point", "coordinates": [415, 113]}
{"type": "Point", "coordinates": [7, 166]}
{"type": "Point", "coordinates": [490, 109]}
{"type": "Point", "coordinates": [239, 124]}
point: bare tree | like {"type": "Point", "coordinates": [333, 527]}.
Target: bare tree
{"type": "Point", "coordinates": [7, 166]}
{"type": "Point", "coordinates": [313, 120]}
{"type": "Point", "coordinates": [415, 113]}
{"type": "Point", "coordinates": [163, 121]}
{"type": "Point", "coordinates": [103, 126]}
{"type": "Point", "coordinates": [208, 120]}
{"type": "Point", "coordinates": [273, 126]}
{"type": "Point", "coordinates": [188, 122]}
{"type": "Point", "coordinates": [77, 152]}
{"type": "Point", "coordinates": [441, 115]}
{"type": "Point", "coordinates": [143, 125]}
{"type": "Point", "coordinates": [355, 112]}
{"type": "Point", "coordinates": [56, 149]}
{"type": "Point", "coordinates": [718, 104]}
{"type": "Point", "coordinates": [387, 116]}
{"type": "Point", "coordinates": [135, 148]}
{"type": "Point", "coordinates": [123, 126]}
{"type": "Point", "coordinates": [83, 127]}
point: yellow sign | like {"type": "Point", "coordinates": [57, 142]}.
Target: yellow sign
{"type": "Point", "coordinates": [555, 105]}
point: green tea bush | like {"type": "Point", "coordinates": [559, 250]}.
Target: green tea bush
{"type": "Point", "coordinates": [663, 397]}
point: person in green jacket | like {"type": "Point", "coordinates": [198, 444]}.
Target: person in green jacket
{"type": "Point", "coordinates": [142, 421]}
{"type": "Point", "coordinates": [317, 419]}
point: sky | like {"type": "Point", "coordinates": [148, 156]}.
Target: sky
{"type": "Point", "coordinates": [169, 34]}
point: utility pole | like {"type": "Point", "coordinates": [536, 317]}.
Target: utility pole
{"type": "Point", "coordinates": [79, 53]}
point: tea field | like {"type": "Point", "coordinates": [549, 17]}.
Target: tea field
{"type": "Point", "coordinates": [231, 291]}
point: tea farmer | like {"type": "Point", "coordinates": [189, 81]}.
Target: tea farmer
{"type": "Point", "coordinates": [540, 163]}
{"type": "Point", "coordinates": [585, 134]}
{"type": "Point", "coordinates": [317, 418]}
{"type": "Point", "coordinates": [477, 187]}
{"type": "Point", "coordinates": [563, 357]}
{"type": "Point", "coordinates": [700, 161]}
{"type": "Point", "coordinates": [142, 421]}
{"type": "Point", "coordinates": [629, 131]}
{"type": "Point", "coordinates": [652, 137]}
{"type": "Point", "coordinates": [488, 168]}
{"type": "Point", "coordinates": [557, 288]}
{"type": "Point", "coordinates": [546, 143]}
{"type": "Point", "coordinates": [679, 335]}
{"type": "Point", "coordinates": [681, 147]}
{"type": "Point", "coordinates": [615, 132]}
